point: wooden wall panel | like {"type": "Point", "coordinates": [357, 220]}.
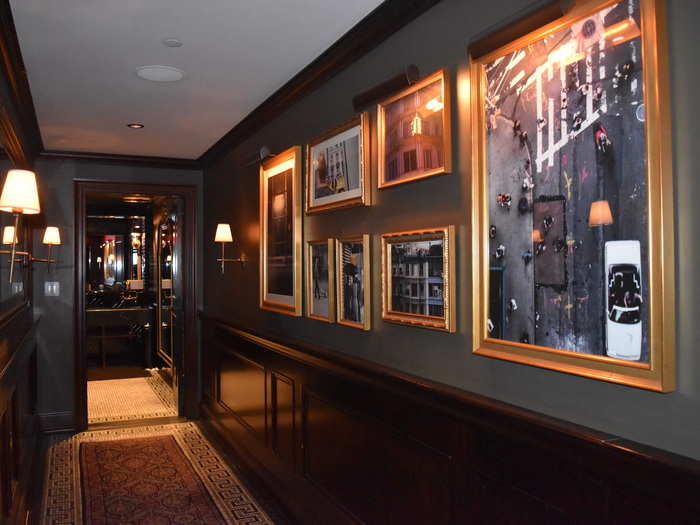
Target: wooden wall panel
{"type": "Point", "coordinates": [283, 419]}
{"type": "Point", "coordinates": [242, 391]}
{"type": "Point", "coordinates": [351, 442]}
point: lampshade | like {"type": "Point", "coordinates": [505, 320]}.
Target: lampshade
{"type": "Point", "coordinates": [8, 235]}
{"type": "Point", "coordinates": [223, 233]}
{"type": "Point", "coordinates": [52, 236]}
{"type": "Point", "coordinates": [537, 236]}
{"type": "Point", "coordinates": [19, 194]}
{"type": "Point", "coordinates": [600, 214]}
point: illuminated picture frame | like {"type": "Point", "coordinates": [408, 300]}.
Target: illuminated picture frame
{"type": "Point", "coordinates": [418, 278]}
{"type": "Point", "coordinates": [572, 192]}
{"type": "Point", "coordinates": [353, 282]}
{"type": "Point", "coordinates": [320, 280]}
{"type": "Point", "coordinates": [280, 233]}
{"type": "Point", "coordinates": [338, 167]}
{"type": "Point", "coordinates": [414, 134]}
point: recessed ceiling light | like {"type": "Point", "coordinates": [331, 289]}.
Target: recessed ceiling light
{"type": "Point", "coordinates": [160, 73]}
{"type": "Point", "coordinates": [172, 42]}
{"type": "Point", "coordinates": [134, 125]}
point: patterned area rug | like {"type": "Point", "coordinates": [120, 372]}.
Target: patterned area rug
{"type": "Point", "coordinates": [165, 474]}
{"type": "Point", "coordinates": [133, 398]}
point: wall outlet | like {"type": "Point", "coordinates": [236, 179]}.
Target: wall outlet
{"type": "Point", "coordinates": [52, 288]}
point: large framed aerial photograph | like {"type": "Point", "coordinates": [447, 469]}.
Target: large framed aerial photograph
{"type": "Point", "coordinates": [414, 133]}
{"type": "Point", "coordinates": [573, 197]}
{"type": "Point", "coordinates": [418, 278]}
{"type": "Point", "coordinates": [338, 167]}
{"type": "Point", "coordinates": [280, 233]}
{"type": "Point", "coordinates": [353, 293]}
{"type": "Point", "coordinates": [320, 280]}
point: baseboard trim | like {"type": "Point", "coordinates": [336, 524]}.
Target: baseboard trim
{"type": "Point", "coordinates": [53, 422]}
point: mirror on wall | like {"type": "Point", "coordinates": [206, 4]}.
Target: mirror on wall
{"type": "Point", "coordinates": [116, 261]}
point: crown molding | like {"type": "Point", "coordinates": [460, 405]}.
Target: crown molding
{"type": "Point", "coordinates": [129, 160]}
{"type": "Point", "coordinates": [19, 130]}
{"type": "Point", "coordinates": [367, 34]}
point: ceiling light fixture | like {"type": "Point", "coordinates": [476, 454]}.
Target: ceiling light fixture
{"type": "Point", "coordinates": [160, 73]}
{"type": "Point", "coordinates": [172, 42]}
{"type": "Point", "coordinates": [134, 125]}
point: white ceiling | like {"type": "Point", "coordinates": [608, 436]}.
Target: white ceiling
{"type": "Point", "coordinates": [81, 57]}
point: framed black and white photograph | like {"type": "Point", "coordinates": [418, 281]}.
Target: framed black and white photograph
{"type": "Point", "coordinates": [338, 174]}
{"type": "Point", "coordinates": [573, 197]}
{"type": "Point", "coordinates": [414, 133]}
{"type": "Point", "coordinates": [320, 280]}
{"type": "Point", "coordinates": [418, 278]}
{"type": "Point", "coordinates": [280, 233]}
{"type": "Point", "coordinates": [353, 281]}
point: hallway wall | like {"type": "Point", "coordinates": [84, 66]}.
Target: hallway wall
{"type": "Point", "coordinates": [439, 39]}
{"type": "Point", "coordinates": [56, 332]}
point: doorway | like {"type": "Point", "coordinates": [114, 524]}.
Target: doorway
{"type": "Point", "coordinates": [135, 302]}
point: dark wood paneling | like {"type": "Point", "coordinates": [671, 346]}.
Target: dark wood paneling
{"type": "Point", "coordinates": [378, 446]}
{"type": "Point", "coordinates": [18, 426]}
{"type": "Point", "coordinates": [370, 470]}
{"type": "Point", "coordinates": [242, 391]}
{"type": "Point", "coordinates": [19, 131]}
{"type": "Point", "coordinates": [283, 417]}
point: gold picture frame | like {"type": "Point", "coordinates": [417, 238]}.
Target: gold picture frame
{"type": "Point", "coordinates": [422, 131]}
{"type": "Point", "coordinates": [314, 288]}
{"type": "Point", "coordinates": [280, 273]}
{"type": "Point", "coordinates": [354, 310]}
{"type": "Point", "coordinates": [425, 288]}
{"type": "Point", "coordinates": [599, 22]}
{"type": "Point", "coordinates": [336, 142]}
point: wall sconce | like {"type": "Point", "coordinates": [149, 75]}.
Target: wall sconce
{"type": "Point", "coordinates": [223, 235]}
{"type": "Point", "coordinates": [600, 214]}
{"type": "Point", "coordinates": [52, 237]}
{"type": "Point", "coordinates": [20, 197]}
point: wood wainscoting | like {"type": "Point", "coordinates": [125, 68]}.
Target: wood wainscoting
{"type": "Point", "coordinates": [18, 422]}
{"type": "Point", "coordinates": [342, 440]}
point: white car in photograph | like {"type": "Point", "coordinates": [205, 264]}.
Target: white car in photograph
{"type": "Point", "coordinates": [623, 301]}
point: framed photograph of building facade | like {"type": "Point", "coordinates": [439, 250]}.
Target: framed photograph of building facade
{"type": "Point", "coordinates": [418, 278]}
{"type": "Point", "coordinates": [573, 197]}
{"type": "Point", "coordinates": [320, 280]}
{"type": "Point", "coordinates": [414, 133]}
{"type": "Point", "coordinates": [338, 167]}
{"type": "Point", "coordinates": [280, 233]}
{"type": "Point", "coordinates": [353, 293]}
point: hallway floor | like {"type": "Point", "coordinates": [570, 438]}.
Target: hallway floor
{"type": "Point", "coordinates": [149, 474]}
{"type": "Point", "coordinates": [130, 398]}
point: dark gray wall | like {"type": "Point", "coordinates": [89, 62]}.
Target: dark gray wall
{"type": "Point", "coordinates": [55, 333]}
{"type": "Point", "coordinates": [439, 39]}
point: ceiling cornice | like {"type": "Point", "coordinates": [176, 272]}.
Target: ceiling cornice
{"type": "Point", "coordinates": [367, 34]}
{"type": "Point", "coordinates": [132, 160]}
{"type": "Point", "coordinates": [19, 130]}
{"type": "Point", "coordinates": [20, 133]}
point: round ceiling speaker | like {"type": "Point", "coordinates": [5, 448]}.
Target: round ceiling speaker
{"type": "Point", "coordinates": [160, 73]}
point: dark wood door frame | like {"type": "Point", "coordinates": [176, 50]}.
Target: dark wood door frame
{"type": "Point", "coordinates": [191, 348]}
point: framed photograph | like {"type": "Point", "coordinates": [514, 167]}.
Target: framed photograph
{"type": "Point", "coordinates": [573, 197]}
{"type": "Point", "coordinates": [418, 278]}
{"type": "Point", "coordinates": [414, 134]}
{"type": "Point", "coordinates": [280, 233]}
{"type": "Point", "coordinates": [320, 280]}
{"type": "Point", "coordinates": [353, 293]}
{"type": "Point", "coordinates": [338, 167]}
